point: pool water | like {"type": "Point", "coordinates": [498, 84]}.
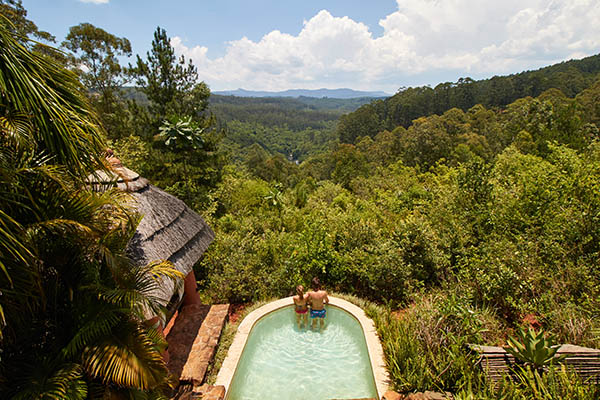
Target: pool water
{"type": "Point", "coordinates": [281, 361]}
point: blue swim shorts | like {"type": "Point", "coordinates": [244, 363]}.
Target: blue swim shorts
{"type": "Point", "coordinates": [317, 313]}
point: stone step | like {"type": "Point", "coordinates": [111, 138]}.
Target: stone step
{"type": "Point", "coordinates": [206, 392]}
{"type": "Point", "coordinates": [497, 362]}
{"type": "Point", "coordinates": [193, 339]}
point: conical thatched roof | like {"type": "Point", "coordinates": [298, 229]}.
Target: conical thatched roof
{"type": "Point", "coordinates": [169, 229]}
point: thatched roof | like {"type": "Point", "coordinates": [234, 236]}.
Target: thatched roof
{"type": "Point", "coordinates": [169, 230]}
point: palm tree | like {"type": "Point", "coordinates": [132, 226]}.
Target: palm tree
{"type": "Point", "coordinates": [72, 305]}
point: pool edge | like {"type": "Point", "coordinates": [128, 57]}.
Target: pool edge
{"type": "Point", "coordinates": [374, 348]}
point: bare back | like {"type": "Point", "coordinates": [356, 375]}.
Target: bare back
{"type": "Point", "coordinates": [300, 302]}
{"type": "Point", "coordinates": [318, 299]}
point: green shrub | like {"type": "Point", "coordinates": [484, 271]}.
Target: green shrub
{"type": "Point", "coordinates": [426, 345]}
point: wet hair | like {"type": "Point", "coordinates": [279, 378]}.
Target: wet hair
{"type": "Point", "coordinates": [316, 283]}
{"type": "Point", "coordinates": [300, 291]}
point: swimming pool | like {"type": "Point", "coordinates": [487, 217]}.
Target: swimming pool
{"type": "Point", "coordinates": [280, 361]}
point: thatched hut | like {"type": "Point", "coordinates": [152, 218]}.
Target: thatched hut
{"type": "Point", "coordinates": [169, 230]}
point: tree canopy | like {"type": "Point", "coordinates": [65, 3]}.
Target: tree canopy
{"type": "Point", "coordinates": [96, 55]}
{"type": "Point", "coordinates": [94, 58]}
{"type": "Point", "coordinates": [408, 104]}
{"type": "Point", "coordinates": [23, 27]}
{"type": "Point", "coordinates": [170, 84]}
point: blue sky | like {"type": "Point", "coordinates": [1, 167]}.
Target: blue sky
{"type": "Point", "coordinates": [365, 45]}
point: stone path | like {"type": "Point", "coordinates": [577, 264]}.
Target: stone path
{"type": "Point", "coordinates": [193, 340]}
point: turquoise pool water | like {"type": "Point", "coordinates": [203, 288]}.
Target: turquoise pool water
{"type": "Point", "coordinates": [282, 362]}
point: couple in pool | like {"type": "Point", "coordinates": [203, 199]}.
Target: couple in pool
{"type": "Point", "coordinates": [317, 298]}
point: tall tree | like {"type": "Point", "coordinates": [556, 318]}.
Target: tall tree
{"type": "Point", "coordinates": [178, 123]}
{"type": "Point", "coordinates": [363, 122]}
{"type": "Point", "coordinates": [25, 29]}
{"type": "Point", "coordinates": [94, 58]}
{"type": "Point", "coordinates": [171, 84]}
{"type": "Point", "coordinates": [95, 52]}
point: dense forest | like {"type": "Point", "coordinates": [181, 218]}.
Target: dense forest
{"type": "Point", "coordinates": [570, 77]}
{"type": "Point", "coordinates": [293, 128]}
{"type": "Point", "coordinates": [481, 190]}
{"type": "Point", "coordinates": [455, 215]}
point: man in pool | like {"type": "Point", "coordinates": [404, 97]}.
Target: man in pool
{"type": "Point", "coordinates": [317, 299]}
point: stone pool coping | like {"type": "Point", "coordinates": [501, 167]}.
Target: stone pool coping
{"type": "Point", "coordinates": [373, 344]}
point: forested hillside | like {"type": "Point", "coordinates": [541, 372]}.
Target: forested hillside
{"type": "Point", "coordinates": [294, 128]}
{"type": "Point", "coordinates": [444, 175]}
{"type": "Point", "coordinates": [454, 215]}
{"type": "Point", "coordinates": [569, 77]}
{"type": "Point", "coordinates": [472, 223]}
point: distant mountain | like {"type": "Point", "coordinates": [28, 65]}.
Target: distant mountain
{"type": "Point", "coordinates": [318, 93]}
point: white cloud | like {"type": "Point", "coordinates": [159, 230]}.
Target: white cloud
{"type": "Point", "coordinates": [95, 1]}
{"type": "Point", "coordinates": [421, 39]}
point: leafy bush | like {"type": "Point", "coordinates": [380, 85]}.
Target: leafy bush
{"type": "Point", "coordinates": [426, 345]}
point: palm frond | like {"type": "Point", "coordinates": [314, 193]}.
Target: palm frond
{"type": "Point", "coordinates": [162, 269]}
{"type": "Point", "coordinates": [138, 287]}
{"type": "Point", "coordinates": [66, 383]}
{"type": "Point", "coordinates": [128, 358]}
{"type": "Point", "coordinates": [2, 321]}
{"type": "Point", "coordinates": [158, 338]}
{"type": "Point", "coordinates": [10, 245]}
{"type": "Point", "coordinates": [40, 87]}
{"type": "Point", "coordinates": [16, 127]}
{"type": "Point", "coordinates": [99, 326]}
{"type": "Point", "coordinates": [21, 296]}
{"type": "Point", "coordinates": [61, 226]}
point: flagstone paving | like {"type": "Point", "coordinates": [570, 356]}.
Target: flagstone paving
{"type": "Point", "coordinates": [193, 340]}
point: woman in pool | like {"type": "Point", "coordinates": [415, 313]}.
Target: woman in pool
{"type": "Point", "coordinates": [301, 307]}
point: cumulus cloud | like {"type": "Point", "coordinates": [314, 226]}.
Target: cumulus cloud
{"type": "Point", "coordinates": [95, 1]}
{"type": "Point", "coordinates": [421, 39]}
